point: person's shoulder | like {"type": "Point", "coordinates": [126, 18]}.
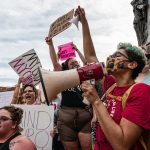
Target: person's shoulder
{"type": "Point", "coordinates": [141, 86]}
{"type": "Point", "coordinates": [141, 90]}
{"type": "Point", "coordinates": [22, 142]}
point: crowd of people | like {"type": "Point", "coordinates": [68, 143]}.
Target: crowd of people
{"type": "Point", "coordinates": [119, 111]}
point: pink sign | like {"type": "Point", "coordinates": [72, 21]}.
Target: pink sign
{"type": "Point", "coordinates": [66, 51]}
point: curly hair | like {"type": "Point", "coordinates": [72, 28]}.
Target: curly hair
{"type": "Point", "coordinates": [134, 54]}
{"type": "Point", "coordinates": [15, 113]}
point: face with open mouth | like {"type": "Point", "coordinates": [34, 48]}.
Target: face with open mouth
{"type": "Point", "coordinates": [29, 95]}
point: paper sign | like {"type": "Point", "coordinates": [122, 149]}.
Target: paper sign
{"type": "Point", "coordinates": [26, 66]}
{"type": "Point", "coordinates": [37, 122]}
{"type": "Point", "coordinates": [61, 24]}
{"type": "Point", "coordinates": [66, 51]}
{"type": "Point", "coordinates": [6, 98]}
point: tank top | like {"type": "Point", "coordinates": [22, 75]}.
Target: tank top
{"type": "Point", "coordinates": [5, 145]}
{"type": "Point", "coordinates": [72, 98]}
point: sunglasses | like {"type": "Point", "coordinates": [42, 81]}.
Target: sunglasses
{"type": "Point", "coordinates": [4, 118]}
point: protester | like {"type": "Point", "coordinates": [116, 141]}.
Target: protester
{"type": "Point", "coordinates": [10, 136]}
{"type": "Point", "coordinates": [30, 93]}
{"type": "Point", "coordinates": [74, 116]}
{"type": "Point", "coordinates": [144, 76]}
{"type": "Point", "coordinates": [57, 144]}
{"type": "Point", "coordinates": [120, 129]}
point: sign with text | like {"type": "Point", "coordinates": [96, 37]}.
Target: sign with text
{"type": "Point", "coordinates": [37, 122]}
{"type": "Point", "coordinates": [6, 98]}
{"type": "Point", "coordinates": [26, 66]}
{"type": "Point", "coordinates": [66, 51]}
{"type": "Point", "coordinates": [61, 24]}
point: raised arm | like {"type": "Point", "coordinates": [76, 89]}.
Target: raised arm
{"type": "Point", "coordinates": [53, 56]}
{"type": "Point", "coordinates": [88, 47]}
{"type": "Point", "coordinates": [15, 98]}
{"type": "Point", "coordinates": [84, 61]}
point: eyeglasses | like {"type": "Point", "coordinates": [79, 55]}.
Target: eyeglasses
{"type": "Point", "coordinates": [119, 54]}
{"type": "Point", "coordinates": [4, 118]}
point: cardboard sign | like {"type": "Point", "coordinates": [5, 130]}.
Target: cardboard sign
{"type": "Point", "coordinates": [26, 66]}
{"type": "Point", "coordinates": [61, 24]}
{"type": "Point", "coordinates": [66, 51]}
{"type": "Point", "coordinates": [37, 122]}
{"type": "Point", "coordinates": [5, 98]}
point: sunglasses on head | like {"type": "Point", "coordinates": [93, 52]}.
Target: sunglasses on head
{"type": "Point", "coordinates": [119, 54]}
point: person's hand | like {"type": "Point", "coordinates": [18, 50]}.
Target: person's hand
{"type": "Point", "coordinates": [80, 11]}
{"type": "Point", "coordinates": [93, 121]}
{"type": "Point", "coordinates": [89, 92]}
{"type": "Point", "coordinates": [74, 47]}
{"type": "Point", "coordinates": [48, 41]}
{"type": "Point", "coordinates": [53, 132]}
{"type": "Point", "coordinates": [20, 80]}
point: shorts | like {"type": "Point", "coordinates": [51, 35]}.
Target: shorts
{"type": "Point", "coordinates": [71, 121]}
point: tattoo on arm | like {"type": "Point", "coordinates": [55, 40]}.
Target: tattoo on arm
{"type": "Point", "coordinates": [12, 144]}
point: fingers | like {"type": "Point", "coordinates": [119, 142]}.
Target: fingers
{"type": "Point", "coordinates": [48, 41]}
{"type": "Point", "coordinates": [79, 11]}
{"type": "Point", "coordinates": [74, 47]}
{"type": "Point", "coordinates": [85, 85]}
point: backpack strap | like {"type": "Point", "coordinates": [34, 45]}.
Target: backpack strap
{"type": "Point", "coordinates": [108, 91]}
{"type": "Point", "coordinates": [126, 95]}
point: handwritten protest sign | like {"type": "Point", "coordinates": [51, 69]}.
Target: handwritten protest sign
{"type": "Point", "coordinates": [5, 98]}
{"type": "Point", "coordinates": [36, 123]}
{"type": "Point", "coordinates": [66, 51]}
{"type": "Point", "coordinates": [61, 24]}
{"type": "Point", "coordinates": [26, 66]}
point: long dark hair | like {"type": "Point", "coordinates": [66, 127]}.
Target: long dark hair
{"type": "Point", "coordinates": [65, 65]}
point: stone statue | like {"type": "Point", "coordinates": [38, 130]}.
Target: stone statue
{"type": "Point", "coordinates": [140, 8]}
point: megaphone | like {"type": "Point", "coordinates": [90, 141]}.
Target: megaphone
{"type": "Point", "coordinates": [54, 82]}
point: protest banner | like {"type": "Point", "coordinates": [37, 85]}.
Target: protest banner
{"type": "Point", "coordinates": [66, 51]}
{"type": "Point", "coordinates": [5, 98]}
{"type": "Point", "coordinates": [60, 24]}
{"type": "Point", "coordinates": [26, 66]}
{"type": "Point", "coordinates": [37, 122]}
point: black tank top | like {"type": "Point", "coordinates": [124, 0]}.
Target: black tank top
{"type": "Point", "coordinates": [72, 98]}
{"type": "Point", "coordinates": [5, 145]}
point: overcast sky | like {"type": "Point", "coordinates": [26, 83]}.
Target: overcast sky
{"type": "Point", "coordinates": [25, 24]}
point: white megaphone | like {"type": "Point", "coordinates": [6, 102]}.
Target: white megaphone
{"type": "Point", "coordinates": [54, 82]}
